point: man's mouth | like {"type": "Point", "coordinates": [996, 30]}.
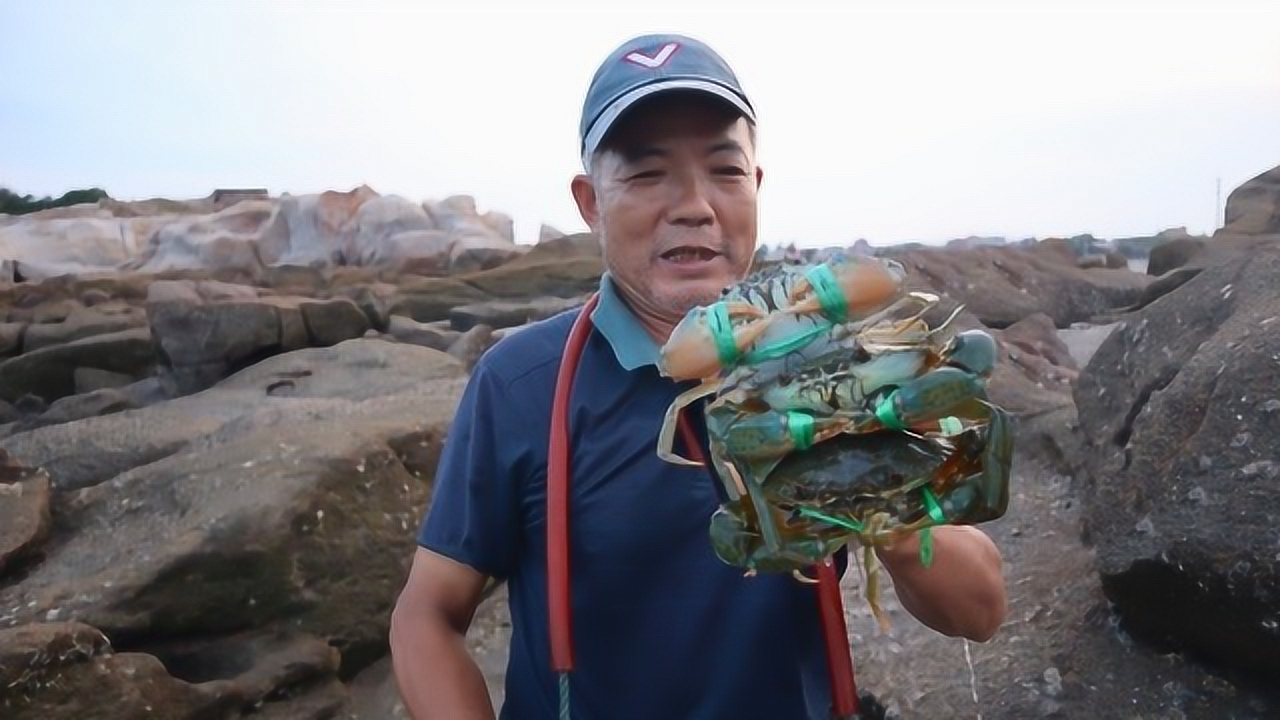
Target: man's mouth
{"type": "Point", "coordinates": [690, 254]}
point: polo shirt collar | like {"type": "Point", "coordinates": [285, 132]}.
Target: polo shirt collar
{"type": "Point", "coordinates": [632, 345]}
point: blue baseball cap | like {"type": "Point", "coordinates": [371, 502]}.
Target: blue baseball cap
{"type": "Point", "coordinates": [652, 64]}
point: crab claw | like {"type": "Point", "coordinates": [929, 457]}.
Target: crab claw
{"type": "Point", "coordinates": [693, 351]}
{"type": "Point", "coordinates": [865, 284]}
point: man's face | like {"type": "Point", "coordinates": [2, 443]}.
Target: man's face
{"type": "Point", "coordinates": [673, 200]}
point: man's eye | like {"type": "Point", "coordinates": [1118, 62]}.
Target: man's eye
{"type": "Point", "coordinates": [731, 170]}
{"type": "Point", "coordinates": [646, 175]}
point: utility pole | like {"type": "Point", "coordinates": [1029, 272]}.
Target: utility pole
{"type": "Point", "coordinates": [1217, 218]}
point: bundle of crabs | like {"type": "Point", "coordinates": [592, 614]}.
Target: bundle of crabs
{"type": "Point", "coordinates": [836, 415]}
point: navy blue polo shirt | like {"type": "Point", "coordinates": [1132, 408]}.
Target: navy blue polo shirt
{"type": "Point", "coordinates": [662, 628]}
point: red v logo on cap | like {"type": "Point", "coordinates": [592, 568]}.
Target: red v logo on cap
{"type": "Point", "coordinates": [656, 61]}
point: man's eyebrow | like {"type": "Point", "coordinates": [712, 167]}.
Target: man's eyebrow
{"type": "Point", "coordinates": [632, 154]}
{"type": "Point", "coordinates": [637, 152]}
{"type": "Point", "coordinates": [727, 146]}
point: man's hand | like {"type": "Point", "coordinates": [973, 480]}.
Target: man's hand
{"type": "Point", "coordinates": [962, 592]}
{"type": "Point", "coordinates": [436, 675]}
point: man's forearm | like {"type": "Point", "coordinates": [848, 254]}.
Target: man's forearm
{"type": "Point", "coordinates": [437, 677]}
{"type": "Point", "coordinates": [962, 592]}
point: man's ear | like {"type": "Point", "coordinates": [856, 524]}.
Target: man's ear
{"type": "Point", "coordinates": [584, 195]}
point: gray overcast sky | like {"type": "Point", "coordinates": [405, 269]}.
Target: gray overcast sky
{"type": "Point", "coordinates": [891, 120]}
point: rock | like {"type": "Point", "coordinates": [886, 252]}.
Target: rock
{"type": "Point", "coordinates": [54, 311]}
{"type": "Point", "coordinates": [231, 239]}
{"type": "Point", "coordinates": [330, 322]}
{"type": "Point", "coordinates": [547, 233]}
{"type": "Point", "coordinates": [1164, 285]}
{"type": "Point", "coordinates": [7, 414]}
{"type": "Point", "coordinates": [1254, 207]}
{"type": "Point", "coordinates": [428, 299]}
{"type": "Point", "coordinates": [25, 519]}
{"type": "Point", "coordinates": [562, 248]}
{"type": "Point", "coordinates": [11, 334]}
{"type": "Point", "coordinates": [433, 335]}
{"type": "Point", "coordinates": [502, 224]}
{"type": "Point", "coordinates": [49, 373]}
{"type": "Point", "coordinates": [89, 379]}
{"type": "Point", "coordinates": [69, 670]}
{"type": "Point", "coordinates": [46, 247]}
{"type": "Point", "coordinates": [304, 280]}
{"type": "Point", "coordinates": [81, 322]}
{"type": "Point", "coordinates": [199, 343]}
{"type": "Point", "coordinates": [244, 239]}
{"type": "Point", "coordinates": [207, 331]}
{"type": "Point", "coordinates": [287, 494]}
{"type": "Point", "coordinates": [473, 253]}
{"type": "Point", "coordinates": [66, 670]}
{"type": "Point", "coordinates": [1181, 415]}
{"type": "Point", "coordinates": [1173, 254]}
{"type": "Point", "coordinates": [570, 277]}
{"type": "Point", "coordinates": [425, 252]}
{"type": "Point", "coordinates": [1003, 285]}
{"type": "Point", "coordinates": [374, 301]}
{"type": "Point", "coordinates": [1037, 335]}
{"type": "Point", "coordinates": [501, 314]}
{"type": "Point", "coordinates": [472, 344]}
{"type": "Point", "coordinates": [317, 229]}
{"type": "Point", "coordinates": [86, 405]}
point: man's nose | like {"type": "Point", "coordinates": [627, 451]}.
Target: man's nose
{"type": "Point", "coordinates": [691, 201]}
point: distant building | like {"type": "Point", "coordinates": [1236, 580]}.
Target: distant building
{"type": "Point", "coordinates": [226, 197]}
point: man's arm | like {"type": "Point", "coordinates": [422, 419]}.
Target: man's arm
{"type": "Point", "coordinates": [962, 592]}
{"type": "Point", "coordinates": [437, 677]}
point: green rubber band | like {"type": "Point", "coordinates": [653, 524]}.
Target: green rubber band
{"type": "Point", "coordinates": [926, 537]}
{"type": "Point", "coordinates": [931, 503]}
{"type": "Point", "coordinates": [853, 525]}
{"type": "Point", "coordinates": [722, 333]}
{"type": "Point", "coordinates": [786, 347]}
{"type": "Point", "coordinates": [886, 415]}
{"type": "Point", "coordinates": [951, 426]}
{"type": "Point", "coordinates": [801, 426]}
{"type": "Point", "coordinates": [830, 297]}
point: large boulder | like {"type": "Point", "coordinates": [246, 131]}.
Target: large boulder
{"type": "Point", "coordinates": [1004, 285]}
{"type": "Point", "coordinates": [71, 671]}
{"type": "Point", "coordinates": [247, 237]}
{"type": "Point", "coordinates": [207, 330]}
{"type": "Point", "coordinates": [284, 499]}
{"type": "Point", "coordinates": [1254, 207]}
{"type": "Point", "coordinates": [50, 372]}
{"type": "Point", "coordinates": [1180, 413]}
{"type": "Point", "coordinates": [1173, 254]}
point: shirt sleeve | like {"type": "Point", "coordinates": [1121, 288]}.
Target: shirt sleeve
{"type": "Point", "coordinates": [474, 514]}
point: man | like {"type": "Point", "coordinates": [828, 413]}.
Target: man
{"type": "Point", "coordinates": [661, 627]}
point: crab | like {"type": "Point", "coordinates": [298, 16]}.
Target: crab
{"type": "Point", "coordinates": [829, 426]}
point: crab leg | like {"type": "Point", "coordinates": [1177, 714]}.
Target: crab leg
{"type": "Point", "coordinates": [764, 514]}
{"type": "Point", "coordinates": [670, 421]}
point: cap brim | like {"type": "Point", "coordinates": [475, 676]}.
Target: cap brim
{"type": "Point", "coordinates": [615, 109]}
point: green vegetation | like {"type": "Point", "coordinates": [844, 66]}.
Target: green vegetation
{"type": "Point", "coordinates": [11, 203]}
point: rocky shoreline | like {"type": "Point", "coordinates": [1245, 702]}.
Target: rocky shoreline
{"type": "Point", "coordinates": [212, 473]}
